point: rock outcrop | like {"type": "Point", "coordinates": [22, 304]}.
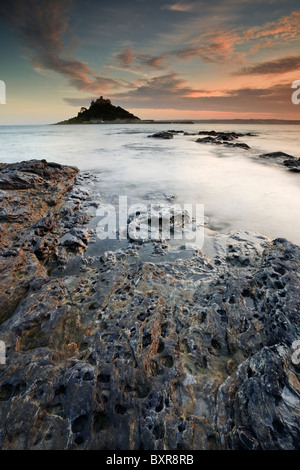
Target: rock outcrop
{"type": "Point", "coordinates": [162, 135]}
{"type": "Point", "coordinates": [223, 138]}
{"type": "Point", "coordinates": [292, 163]}
{"type": "Point", "coordinates": [118, 353]}
{"type": "Point", "coordinates": [40, 208]}
{"type": "Point", "coordinates": [101, 110]}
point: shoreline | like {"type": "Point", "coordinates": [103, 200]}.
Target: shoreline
{"type": "Point", "coordinates": [192, 121]}
{"type": "Point", "coordinates": [168, 352]}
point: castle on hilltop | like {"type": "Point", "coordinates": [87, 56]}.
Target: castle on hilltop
{"type": "Point", "coordinates": [101, 100]}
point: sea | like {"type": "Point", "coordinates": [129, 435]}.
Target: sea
{"type": "Point", "coordinates": [238, 189]}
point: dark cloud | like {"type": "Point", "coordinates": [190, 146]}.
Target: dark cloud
{"type": "Point", "coordinates": [206, 54]}
{"type": "Point", "coordinates": [285, 64]}
{"type": "Point", "coordinates": [148, 60]}
{"type": "Point", "coordinates": [170, 92]}
{"type": "Point", "coordinates": [125, 57]}
{"type": "Point", "coordinates": [163, 86]}
{"type": "Point", "coordinates": [130, 59]}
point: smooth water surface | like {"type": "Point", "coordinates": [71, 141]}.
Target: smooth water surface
{"type": "Point", "coordinates": [239, 190]}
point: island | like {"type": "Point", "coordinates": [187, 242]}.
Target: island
{"type": "Point", "coordinates": [101, 111]}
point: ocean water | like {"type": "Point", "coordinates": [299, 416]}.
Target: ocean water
{"type": "Point", "coordinates": [239, 190]}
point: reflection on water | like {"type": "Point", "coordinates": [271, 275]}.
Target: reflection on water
{"type": "Point", "coordinates": [237, 190]}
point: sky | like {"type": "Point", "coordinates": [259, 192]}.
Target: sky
{"type": "Point", "coordinates": [184, 59]}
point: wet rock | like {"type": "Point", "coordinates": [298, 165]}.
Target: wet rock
{"type": "Point", "coordinates": [210, 133]}
{"type": "Point", "coordinates": [294, 169]}
{"type": "Point", "coordinates": [292, 164]}
{"type": "Point", "coordinates": [188, 354]}
{"type": "Point", "coordinates": [157, 222]}
{"type": "Point", "coordinates": [226, 137]}
{"type": "Point", "coordinates": [76, 239]}
{"type": "Point", "coordinates": [222, 138]}
{"type": "Point", "coordinates": [282, 158]}
{"type": "Point", "coordinates": [170, 197]}
{"type": "Point", "coordinates": [208, 140]}
{"type": "Point", "coordinates": [183, 355]}
{"type": "Point", "coordinates": [162, 135]}
{"type": "Point", "coordinates": [276, 155]}
{"type": "Point", "coordinates": [241, 145]}
{"type": "Point", "coordinates": [226, 134]}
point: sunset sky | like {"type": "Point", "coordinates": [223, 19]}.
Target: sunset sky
{"type": "Point", "coordinates": [158, 59]}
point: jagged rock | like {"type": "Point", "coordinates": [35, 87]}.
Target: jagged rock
{"type": "Point", "coordinates": [191, 354]}
{"type": "Point", "coordinates": [282, 158]}
{"type": "Point", "coordinates": [18, 270]}
{"type": "Point", "coordinates": [231, 134]}
{"type": "Point", "coordinates": [294, 169]}
{"type": "Point", "coordinates": [241, 145]}
{"type": "Point", "coordinates": [226, 137]}
{"type": "Point", "coordinates": [162, 135]}
{"type": "Point", "coordinates": [292, 164]}
{"type": "Point", "coordinates": [276, 155]}
{"type": "Point", "coordinates": [208, 140]}
{"type": "Point", "coordinates": [30, 228]}
{"type": "Point", "coordinates": [32, 189]}
{"type": "Point", "coordinates": [223, 139]}
{"type": "Point", "coordinates": [210, 133]}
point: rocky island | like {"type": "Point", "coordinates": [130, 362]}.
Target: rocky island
{"type": "Point", "coordinates": [123, 354]}
{"type": "Point", "coordinates": [101, 111]}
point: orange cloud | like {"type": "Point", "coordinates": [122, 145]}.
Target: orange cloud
{"type": "Point", "coordinates": [125, 57]}
{"type": "Point", "coordinates": [278, 66]}
{"type": "Point", "coordinates": [287, 28]}
{"type": "Point", "coordinates": [222, 45]}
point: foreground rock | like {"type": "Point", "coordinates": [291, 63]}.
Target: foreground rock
{"type": "Point", "coordinates": [39, 206]}
{"type": "Point", "coordinates": [126, 354]}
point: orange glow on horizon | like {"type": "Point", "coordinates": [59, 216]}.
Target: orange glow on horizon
{"type": "Point", "coordinates": [176, 115]}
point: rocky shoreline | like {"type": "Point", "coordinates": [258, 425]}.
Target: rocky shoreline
{"type": "Point", "coordinates": [124, 354]}
{"type": "Point", "coordinates": [230, 139]}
